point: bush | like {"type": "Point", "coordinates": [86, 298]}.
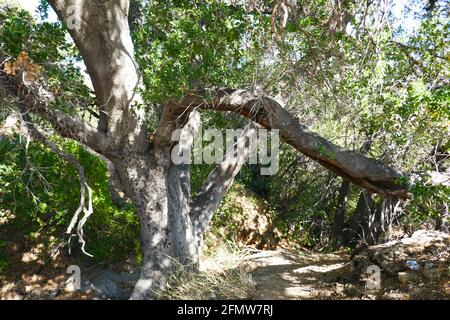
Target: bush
{"type": "Point", "coordinates": [39, 192]}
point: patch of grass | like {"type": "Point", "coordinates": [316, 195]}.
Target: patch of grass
{"type": "Point", "coordinates": [222, 276]}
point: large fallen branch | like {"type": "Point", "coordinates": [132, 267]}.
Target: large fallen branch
{"type": "Point", "coordinates": [365, 172]}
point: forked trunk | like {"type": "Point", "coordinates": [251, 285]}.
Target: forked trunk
{"type": "Point", "coordinates": [156, 188]}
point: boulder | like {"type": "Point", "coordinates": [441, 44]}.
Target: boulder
{"type": "Point", "coordinates": [111, 283]}
{"type": "Point", "coordinates": [406, 277]}
{"type": "Point", "coordinates": [430, 249]}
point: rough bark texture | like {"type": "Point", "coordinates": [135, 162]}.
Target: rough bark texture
{"type": "Point", "coordinates": [339, 217]}
{"type": "Point", "coordinates": [371, 222]}
{"type": "Point", "coordinates": [172, 222]}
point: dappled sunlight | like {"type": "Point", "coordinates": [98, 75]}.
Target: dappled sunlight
{"type": "Point", "coordinates": [287, 275]}
{"type": "Point", "coordinates": [321, 269]}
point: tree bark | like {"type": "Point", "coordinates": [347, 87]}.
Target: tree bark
{"type": "Point", "coordinates": [365, 172]}
{"type": "Point", "coordinates": [371, 223]}
{"type": "Point", "coordinates": [339, 218]}
{"type": "Point", "coordinates": [172, 223]}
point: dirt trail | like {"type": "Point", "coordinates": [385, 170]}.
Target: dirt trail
{"type": "Point", "coordinates": [284, 275]}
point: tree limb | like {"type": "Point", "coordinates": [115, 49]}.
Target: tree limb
{"type": "Point", "coordinates": [37, 100]}
{"type": "Point", "coordinates": [101, 32]}
{"type": "Point", "coordinates": [86, 209]}
{"type": "Point", "coordinates": [220, 180]}
{"type": "Point", "coordinates": [115, 186]}
{"type": "Point", "coordinates": [365, 172]}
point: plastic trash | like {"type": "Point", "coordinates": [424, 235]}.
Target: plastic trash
{"type": "Point", "coordinates": [413, 265]}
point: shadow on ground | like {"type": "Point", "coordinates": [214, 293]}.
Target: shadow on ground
{"type": "Point", "coordinates": [287, 275]}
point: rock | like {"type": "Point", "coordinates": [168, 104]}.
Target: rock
{"type": "Point", "coordinates": [406, 277]}
{"type": "Point", "coordinates": [112, 285]}
{"type": "Point", "coordinates": [432, 273]}
{"type": "Point", "coordinates": [339, 289]}
{"type": "Point", "coordinates": [106, 287]}
{"type": "Point", "coordinates": [29, 257]}
{"type": "Point", "coordinates": [55, 292]}
{"type": "Point", "coordinates": [14, 296]}
{"type": "Point", "coordinates": [130, 277]}
{"type": "Point", "coordinates": [114, 276]}
{"type": "Point", "coordinates": [29, 288]}
{"type": "Point", "coordinates": [447, 288]}
{"type": "Point", "coordinates": [353, 291]}
{"type": "Point", "coordinates": [423, 247]}
{"type": "Point", "coordinates": [7, 287]}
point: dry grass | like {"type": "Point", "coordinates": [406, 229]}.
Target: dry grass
{"type": "Point", "coordinates": [222, 275]}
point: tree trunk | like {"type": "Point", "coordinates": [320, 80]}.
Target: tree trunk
{"type": "Point", "coordinates": [172, 223]}
{"type": "Point", "coordinates": [339, 218]}
{"type": "Point", "coordinates": [155, 186]}
{"type": "Point", "coordinates": [371, 223]}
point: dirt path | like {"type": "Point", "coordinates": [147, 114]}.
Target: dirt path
{"type": "Point", "coordinates": [307, 275]}
{"type": "Point", "coordinates": [284, 275]}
